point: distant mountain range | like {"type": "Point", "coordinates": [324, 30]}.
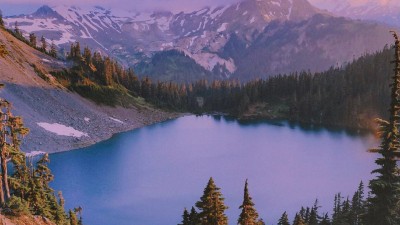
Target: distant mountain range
{"type": "Point", "coordinates": [387, 12]}
{"type": "Point", "coordinates": [253, 38]}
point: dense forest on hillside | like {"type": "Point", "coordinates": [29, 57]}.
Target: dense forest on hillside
{"type": "Point", "coordinates": [349, 96]}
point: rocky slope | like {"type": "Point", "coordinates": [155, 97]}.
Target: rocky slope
{"type": "Point", "coordinates": [225, 41]}
{"type": "Point", "coordinates": [58, 119]}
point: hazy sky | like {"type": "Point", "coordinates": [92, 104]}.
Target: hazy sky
{"type": "Point", "coordinates": [12, 7]}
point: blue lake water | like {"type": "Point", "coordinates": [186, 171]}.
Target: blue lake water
{"type": "Point", "coordinates": [147, 176]}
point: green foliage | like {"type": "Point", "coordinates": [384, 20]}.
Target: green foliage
{"type": "Point", "coordinates": [211, 206]}
{"type": "Point", "coordinates": [16, 206]}
{"type": "Point", "coordinates": [73, 220]}
{"type": "Point", "coordinates": [385, 188]}
{"type": "Point", "coordinates": [298, 220]}
{"type": "Point", "coordinates": [172, 66]}
{"type": "Point", "coordinates": [284, 220]}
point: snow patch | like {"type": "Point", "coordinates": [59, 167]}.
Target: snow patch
{"type": "Point", "coordinates": [116, 120]}
{"type": "Point", "coordinates": [86, 119]}
{"type": "Point", "coordinates": [34, 153]}
{"type": "Point", "coordinates": [63, 130]}
{"type": "Point", "coordinates": [222, 27]}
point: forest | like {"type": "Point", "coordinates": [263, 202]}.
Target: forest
{"type": "Point", "coordinates": [350, 96]}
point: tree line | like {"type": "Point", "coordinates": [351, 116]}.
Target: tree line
{"type": "Point", "coordinates": [32, 40]}
{"type": "Point", "coordinates": [348, 96]}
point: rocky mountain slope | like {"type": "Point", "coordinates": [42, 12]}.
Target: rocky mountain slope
{"type": "Point", "coordinates": [225, 41]}
{"type": "Point", "coordinates": [58, 119]}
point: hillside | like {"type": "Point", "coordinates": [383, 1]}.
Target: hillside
{"type": "Point", "coordinates": [59, 119]}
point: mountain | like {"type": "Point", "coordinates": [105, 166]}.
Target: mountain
{"type": "Point", "coordinates": [58, 119]}
{"type": "Point", "coordinates": [387, 12]}
{"type": "Point", "coordinates": [225, 41]}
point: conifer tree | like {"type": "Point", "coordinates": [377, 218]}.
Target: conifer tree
{"type": "Point", "coordinates": [211, 206]}
{"type": "Point", "coordinates": [357, 206]}
{"type": "Point", "coordinates": [32, 40]}
{"type": "Point", "coordinates": [325, 220]}
{"type": "Point", "coordinates": [385, 188]}
{"type": "Point", "coordinates": [284, 220]}
{"type": "Point", "coordinates": [73, 220]}
{"type": "Point", "coordinates": [194, 217]}
{"type": "Point", "coordinates": [298, 220]}
{"type": "Point", "coordinates": [185, 218]}
{"type": "Point", "coordinates": [43, 48]}
{"type": "Point", "coordinates": [53, 50]}
{"type": "Point", "coordinates": [1, 20]}
{"type": "Point", "coordinates": [249, 215]}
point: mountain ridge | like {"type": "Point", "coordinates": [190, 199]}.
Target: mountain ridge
{"type": "Point", "coordinates": [203, 35]}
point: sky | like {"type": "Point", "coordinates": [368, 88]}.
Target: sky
{"type": "Point", "coordinates": [15, 7]}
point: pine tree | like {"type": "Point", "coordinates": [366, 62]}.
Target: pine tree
{"type": "Point", "coordinates": [357, 206]}
{"type": "Point", "coordinates": [53, 50]}
{"type": "Point", "coordinates": [43, 48]}
{"type": "Point", "coordinates": [1, 20]}
{"type": "Point", "coordinates": [385, 188]}
{"type": "Point", "coordinates": [211, 206]}
{"type": "Point", "coordinates": [72, 218]}
{"type": "Point", "coordinates": [32, 40]}
{"type": "Point", "coordinates": [185, 218]}
{"type": "Point", "coordinates": [314, 217]}
{"type": "Point", "coordinates": [325, 220]}
{"type": "Point", "coordinates": [298, 220]}
{"type": "Point", "coordinates": [194, 217]}
{"type": "Point", "coordinates": [284, 219]}
{"type": "Point", "coordinates": [249, 215]}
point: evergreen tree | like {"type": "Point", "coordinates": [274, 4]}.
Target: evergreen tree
{"type": "Point", "coordinates": [43, 48]}
{"type": "Point", "coordinates": [298, 220]}
{"type": "Point", "coordinates": [53, 50]}
{"type": "Point", "coordinates": [1, 20]}
{"type": "Point", "coordinates": [313, 220]}
{"type": "Point", "coordinates": [185, 218]}
{"type": "Point", "coordinates": [357, 206]}
{"type": "Point", "coordinates": [73, 220]}
{"type": "Point", "coordinates": [194, 217]}
{"type": "Point", "coordinates": [211, 206]}
{"type": "Point", "coordinates": [325, 220]}
{"type": "Point", "coordinates": [249, 215]}
{"type": "Point", "coordinates": [32, 40]}
{"type": "Point", "coordinates": [284, 219]}
{"type": "Point", "coordinates": [385, 188]}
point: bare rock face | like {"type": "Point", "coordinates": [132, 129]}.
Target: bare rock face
{"type": "Point", "coordinates": [252, 38]}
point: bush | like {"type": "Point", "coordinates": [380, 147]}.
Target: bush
{"type": "Point", "coordinates": [15, 206]}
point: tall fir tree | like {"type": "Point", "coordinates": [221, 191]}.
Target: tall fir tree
{"type": "Point", "coordinates": [43, 47]}
{"type": "Point", "coordinates": [1, 20]}
{"type": "Point", "coordinates": [385, 188]}
{"type": "Point", "coordinates": [32, 40]}
{"type": "Point", "coordinates": [53, 50]}
{"type": "Point", "coordinates": [284, 220]}
{"type": "Point", "coordinates": [298, 220]}
{"type": "Point", "coordinates": [211, 206]}
{"type": "Point", "coordinates": [185, 218]}
{"type": "Point", "coordinates": [249, 215]}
